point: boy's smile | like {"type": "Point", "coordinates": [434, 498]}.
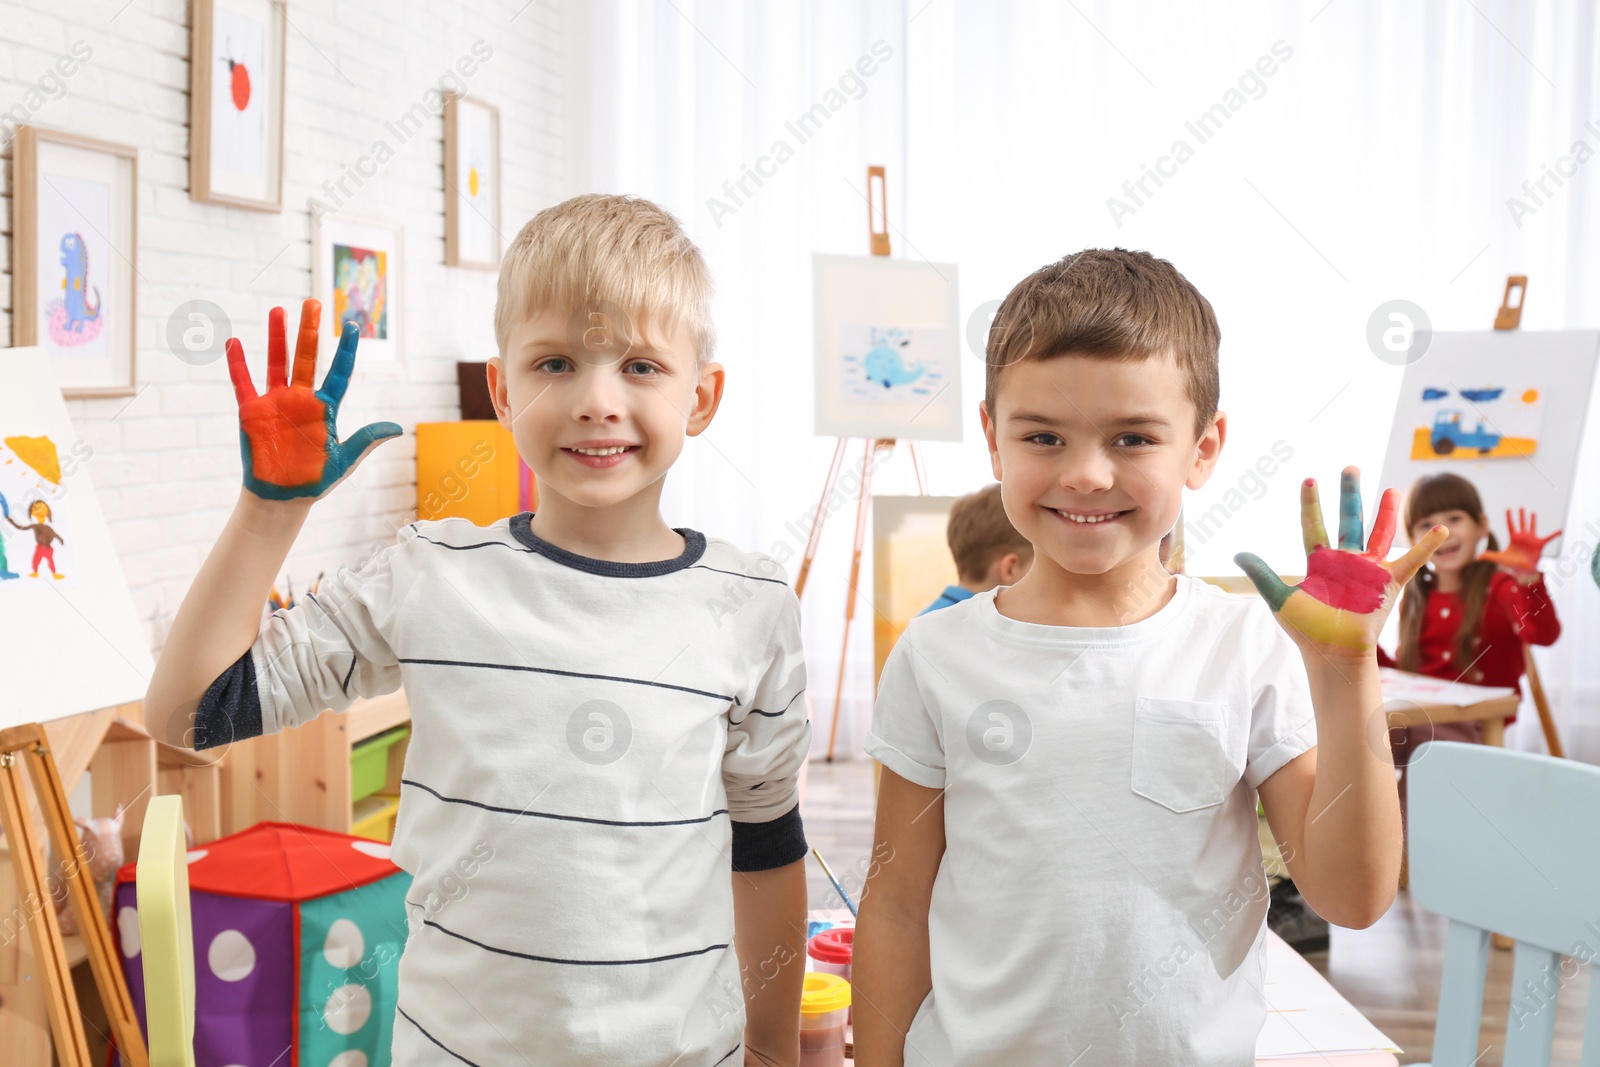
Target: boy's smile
{"type": "Point", "coordinates": [1093, 455]}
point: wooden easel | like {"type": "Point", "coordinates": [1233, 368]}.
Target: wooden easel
{"type": "Point", "coordinates": [878, 243]}
{"type": "Point", "coordinates": [29, 743]}
{"type": "Point", "coordinates": [1509, 317]}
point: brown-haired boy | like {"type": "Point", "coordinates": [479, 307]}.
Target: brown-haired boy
{"type": "Point", "coordinates": [1070, 779]}
{"type": "Point", "coordinates": [987, 549]}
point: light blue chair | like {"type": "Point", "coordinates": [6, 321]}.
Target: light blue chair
{"type": "Point", "coordinates": [1508, 842]}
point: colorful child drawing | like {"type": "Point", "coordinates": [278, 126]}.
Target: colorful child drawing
{"type": "Point", "coordinates": [1488, 422]}
{"type": "Point", "coordinates": [44, 536]}
{"type": "Point", "coordinates": [74, 320]}
{"type": "Point", "coordinates": [359, 276]}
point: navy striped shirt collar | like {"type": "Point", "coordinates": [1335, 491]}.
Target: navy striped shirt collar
{"type": "Point", "coordinates": [694, 547]}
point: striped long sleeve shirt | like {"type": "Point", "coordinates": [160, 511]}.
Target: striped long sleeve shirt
{"type": "Point", "coordinates": [614, 737]}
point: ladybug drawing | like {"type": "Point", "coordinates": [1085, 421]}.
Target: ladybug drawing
{"type": "Point", "coordinates": [241, 80]}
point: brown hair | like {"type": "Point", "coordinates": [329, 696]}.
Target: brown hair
{"type": "Point", "coordinates": [979, 533]}
{"type": "Point", "coordinates": [616, 256]}
{"type": "Point", "coordinates": [1113, 304]}
{"type": "Point", "coordinates": [1429, 496]}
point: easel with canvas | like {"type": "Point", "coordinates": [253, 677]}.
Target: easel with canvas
{"type": "Point", "coordinates": [878, 244]}
{"type": "Point", "coordinates": [78, 611]}
{"type": "Point", "coordinates": [1528, 394]}
{"type": "Point", "coordinates": [1509, 317]}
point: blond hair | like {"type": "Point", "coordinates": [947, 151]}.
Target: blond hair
{"type": "Point", "coordinates": [620, 257]}
{"type": "Point", "coordinates": [1109, 303]}
{"type": "Point", "coordinates": [980, 533]}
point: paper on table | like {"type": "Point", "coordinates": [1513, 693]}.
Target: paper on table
{"type": "Point", "coordinates": [1307, 1016]}
{"type": "Point", "coordinates": [1420, 689]}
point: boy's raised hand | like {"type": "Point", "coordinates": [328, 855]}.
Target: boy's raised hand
{"type": "Point", "coordinates": [1522, 555]}
{"type": "Point", "coordinates": [287, 434]}
{"type": "Point", "coordinates": [1348, 593]}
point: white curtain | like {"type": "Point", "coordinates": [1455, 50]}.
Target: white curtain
{"type": "Point", "coordinates": [1338, 156]}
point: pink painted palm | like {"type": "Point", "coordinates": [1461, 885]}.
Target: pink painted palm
{"type": "Point", "coordinates": [1349, 591]}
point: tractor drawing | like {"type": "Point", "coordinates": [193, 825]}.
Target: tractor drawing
{"type": "Point", "coordinates": [1448, 435]}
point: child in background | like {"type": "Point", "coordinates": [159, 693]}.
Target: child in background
{"type": "Point", "coordinates": [1468, 616]}
{"type": "Point", "coordinates": [579, 704]}
{"type": "Point", "coordinates": [1071, 763]}
{"type": "Point", "coordinates": [987, 549]}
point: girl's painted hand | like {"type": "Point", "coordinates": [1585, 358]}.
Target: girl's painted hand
{"type": "Point", "coordinates": [1522, 555]}
{"type": "Point", "coordinates": [287, 436]}
{"type": "Point", "coordinates": [1348, 593]}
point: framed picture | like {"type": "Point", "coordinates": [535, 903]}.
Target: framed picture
{"type": "Point", "coordinates": [236, 103]}
{"type": "Point", "coordinates": [471, 183]}
{"type": "Point", "coordinates": [888, 359]}
{"type": "Point", "coordinates": [356, 273]}
{"type": "Point", "coordinates": [76, 257]}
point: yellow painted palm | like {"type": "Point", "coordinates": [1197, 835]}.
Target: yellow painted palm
{"type": "Point", "coordinates": [1349, 591]}
{"type": "Point", "coordinates": [166, 936]}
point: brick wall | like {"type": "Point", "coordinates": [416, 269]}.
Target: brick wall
{"type": "Point", "coordinates": [166, 462]}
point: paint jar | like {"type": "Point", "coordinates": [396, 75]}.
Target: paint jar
{"type": "Point", "coordinates": [830, 953]}
{"type": "Point", "coordinates": [824, 1008]}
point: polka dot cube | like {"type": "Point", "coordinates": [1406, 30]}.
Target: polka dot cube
{"type": "Point", "coordinates": [297, 941]}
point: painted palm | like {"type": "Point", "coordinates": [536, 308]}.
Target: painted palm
{"type": "Point", "coordinates": [1522, 555]}
{"type": "Point", "coordinates": [287, 435]}
{"type": "Point", "coordinates": [1348, 591]}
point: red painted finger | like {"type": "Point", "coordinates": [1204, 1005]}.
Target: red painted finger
{"type": "Point", "coordinates": [1382, 537]}
{"type": "Point", "coordinates": [305, 349]}
{"type": "Point", "coordinates": [277, 373]}
{"type": "Point", "coordinates": [244, 390]}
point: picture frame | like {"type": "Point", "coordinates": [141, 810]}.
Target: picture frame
{"type": "Point", "coordinates": [75, 261]}
{"type": "Point", "coordinates": [357, 271]}
{"type": "Point", "coordinates": [472, 236]}
{"type": "Point", "coordinates": [236, 81]}
{"type": "Point", "coordinates": [887, 348]}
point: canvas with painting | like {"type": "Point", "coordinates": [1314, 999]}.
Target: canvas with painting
{"type": "Point", "coordinates": [887, 358]}
{"type": "Point", "coordinates": [1505, 409]}
{"type": "Point", "coordinates": [64, 602]}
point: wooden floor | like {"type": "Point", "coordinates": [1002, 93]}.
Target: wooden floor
{"type": "Point", "coordinates": [1390, 971]}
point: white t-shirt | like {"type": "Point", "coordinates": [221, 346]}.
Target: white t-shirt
{"type": "Point", "coordinates": [595, 728]}
{"type": "Point", "coordinates": [1101, 893]}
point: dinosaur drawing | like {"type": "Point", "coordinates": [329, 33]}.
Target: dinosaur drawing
{"type": "Point", "coordinates": [75, 286]}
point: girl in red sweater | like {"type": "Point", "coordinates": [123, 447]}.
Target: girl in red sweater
{"type": "Point", "coordinates": [1465, 616]}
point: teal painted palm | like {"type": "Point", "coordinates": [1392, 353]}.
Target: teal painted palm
{"type": "Point", "coordinates": [287, 435]}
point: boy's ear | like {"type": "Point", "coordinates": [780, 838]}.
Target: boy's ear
{"type": "Point", "coordinates": [989, 432]}
{"type": "Point", "coordinates": [1207, 451]}
{"type": "Point", "coordinates": [496, 371]}
{"type": "Point", "coordinates": [707, 396]}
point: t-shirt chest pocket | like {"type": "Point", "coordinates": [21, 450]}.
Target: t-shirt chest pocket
{"type": "Point", "coordinates": [1181, 755]}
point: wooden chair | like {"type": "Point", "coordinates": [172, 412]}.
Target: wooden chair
{"type": "Point", "coordinates": [165, 934]}
{"type": "Point", "coordinates": [1502, 840]}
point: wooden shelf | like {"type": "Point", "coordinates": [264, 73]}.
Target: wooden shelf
{"type": "Point", "coordinates": [303, 775]}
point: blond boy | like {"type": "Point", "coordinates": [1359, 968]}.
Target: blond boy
{"type": "Point", "coordinates": [629, 758]}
